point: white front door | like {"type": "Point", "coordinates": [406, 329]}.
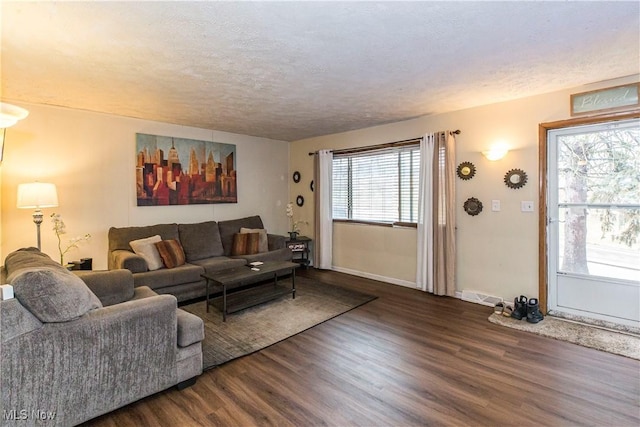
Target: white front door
{"type": "Point", "coordinates": [594, 221]}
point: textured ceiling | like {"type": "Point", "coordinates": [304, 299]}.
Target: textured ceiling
{"type": "Point", "coordinates": [292, 70]}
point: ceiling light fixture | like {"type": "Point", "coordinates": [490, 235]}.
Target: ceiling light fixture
{"type": "Point", "coordinates": [10, 114]}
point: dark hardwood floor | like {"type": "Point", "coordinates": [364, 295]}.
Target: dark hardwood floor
{"type": "Point", "coordinates": [405, 359]}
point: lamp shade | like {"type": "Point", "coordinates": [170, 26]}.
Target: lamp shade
{"type": "Point", "coordinates": [10, 114]}
{"type": "Point", "coordinates": [36, 195]}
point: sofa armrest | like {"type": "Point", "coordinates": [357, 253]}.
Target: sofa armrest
{"type": "Point", "coordinates": [190, 328]}
{"type": "Point", "coordinates": [15, 320]}
{"type": "Point", "coordinates": [143, 292]}
{"type": "Point", "coordinates": [111, 286]}
{"type": "Point", "coordinates": [276, 242]}
{"type": "Point", "coordinates": [121, 259]}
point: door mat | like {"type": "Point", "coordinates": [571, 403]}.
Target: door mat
{"type": "Point", "coordinates": [624, 344]}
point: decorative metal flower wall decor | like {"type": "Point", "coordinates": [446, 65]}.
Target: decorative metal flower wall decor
{"type": "Point", "coordinates": [515, 178]}
{"type": "Point", "coordinates": [466, 170]}
{"type": "Point", "coordinates": [473, 206]}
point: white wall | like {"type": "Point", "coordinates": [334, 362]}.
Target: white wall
{"type": "Point", "coordinates": [497, 252]}
{"type": "Point", "coordinates": [91, 159]}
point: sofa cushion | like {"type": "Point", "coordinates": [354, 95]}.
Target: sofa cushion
{"type": "Point", "coordinates": [283, 254]}
{"type": "Point", "coordinates": [263, 244]}
{"type": "Point", "coordinates": [54, 294]}
{"type": "Point", "coordinates": [231, 227]}
{"type": "Point", "coordinates": [171, 253]}
{"type": "Point", "coordinates": [110, 286]}
{"type": "Point", "coordinates": [147, 249]}
{"type": "Point", "coordinates": [200, 240]}
{"type": "Point", "coordinates": [169, 276]}
{"type": "Point", "coordinates": [26, 258]}
{"type": "Point", "coordinates": [245, 244]}
{"type": "Point", "coordinates": [119, 238]}
{"type": "Point", "coordinates": [214, 265]}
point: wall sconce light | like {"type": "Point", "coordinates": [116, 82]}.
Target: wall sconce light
{"type": "Point", "coordinates": [496, 152]}
{"type": "Point", "coordinates": [37, 195]}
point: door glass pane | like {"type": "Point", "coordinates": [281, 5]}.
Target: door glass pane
{"type": "Point", "coordinates": [600, 166]}
{"type": "Point", "coordinates": [599, 242]}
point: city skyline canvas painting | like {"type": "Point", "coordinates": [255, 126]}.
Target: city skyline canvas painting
{"type": "Point", "coordinates": [181, 171]}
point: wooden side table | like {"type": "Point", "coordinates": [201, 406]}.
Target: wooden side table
{"type": "Point", "coordinates": [301, 247]}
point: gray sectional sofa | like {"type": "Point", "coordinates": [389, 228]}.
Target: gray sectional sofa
{"type": "Point", "coordinates": [207, 248]}
{"type": "Point", "coordinates": [76, 346]}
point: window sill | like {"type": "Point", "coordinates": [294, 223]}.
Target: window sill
{"type": "Point", "coordinates": [378, 223]}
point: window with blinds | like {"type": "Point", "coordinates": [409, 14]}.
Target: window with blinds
{"type": "Point", "coordinates": [377, 186]}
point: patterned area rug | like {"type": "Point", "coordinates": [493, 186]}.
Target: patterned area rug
{"type": "Point", "coordinates": [624, 344]}
{"type": "Point", "coordinates": [258, 327]}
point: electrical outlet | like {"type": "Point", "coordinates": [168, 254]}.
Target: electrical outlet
{"type": "Point", "coordinates": [526, 206]}
{"type": "Point", "coordinates": [495, 205]}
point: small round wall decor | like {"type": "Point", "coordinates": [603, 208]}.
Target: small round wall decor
{"type": "Point", "coordinates": [473, 206]}
{"type": "Point", "coordinates": [299, 200]}
{"type": "Point", "coordinates": [515, 178]}
{"type": "Point", "coordinates": [466, 170]}
{"type": "Point", "coordinates": [296, 176]}
{"type": "Point", "coordinates": [311, 186]}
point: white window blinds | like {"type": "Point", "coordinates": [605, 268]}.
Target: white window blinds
{"type": "Point", "coordinates": [378, 186]}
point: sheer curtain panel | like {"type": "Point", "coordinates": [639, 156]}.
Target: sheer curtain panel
{"type": "Point", "coordinates": [323, 245]}
{"type": "Point", "coordinates": [436, 215]}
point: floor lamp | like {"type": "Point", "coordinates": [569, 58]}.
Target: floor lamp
{"type": "Point", "coordinates": [37, 195]}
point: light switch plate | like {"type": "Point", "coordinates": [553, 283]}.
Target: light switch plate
{"type": "Point", "coordinates": [495, 205]}
{"type": "Point", "coordinates": [526, 206]}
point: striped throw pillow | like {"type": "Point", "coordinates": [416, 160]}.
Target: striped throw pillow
{"type": "Point", "coordinates": [171, 253]}
{"type": "Point", "coordinates": [245, 244]}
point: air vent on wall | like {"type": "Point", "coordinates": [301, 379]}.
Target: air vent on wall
{"type": "Point", "coordinates": [478, 298]}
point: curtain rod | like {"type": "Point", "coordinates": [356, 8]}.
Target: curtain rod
{"type": "Point", "coordinates": [380, 146]}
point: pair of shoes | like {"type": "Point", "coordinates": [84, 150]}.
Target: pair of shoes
{"type": "Point", "coordinates": [507, 311]}
{"type": "Point", "coordinates": [520, 307]}
{"type": "Point", "coordinates": [533, 311]}
{"type": "Point", "coordinates": [525, 308]}
{"type": "Point", "coordinates": [502, 308]}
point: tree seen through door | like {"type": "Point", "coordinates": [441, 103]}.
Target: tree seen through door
{"type": "Point", "coordinates": [599, 194]}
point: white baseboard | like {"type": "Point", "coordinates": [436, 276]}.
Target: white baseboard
{"type": "Point", "coordinates": [469, 296]}
{"type": "Point", "coordinates": [379, 278]}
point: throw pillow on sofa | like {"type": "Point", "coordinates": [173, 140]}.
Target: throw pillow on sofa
{"type": "Point", "coordinates": [263, 243]}
{"type": "Point", "coordinates": [171, 253]}
{"type": "Point", "coordinates": [53, 294]}
{"type": "Point", "coordinates": [146, 248]}
{"type": "Point", "coordinates": [245, 244]}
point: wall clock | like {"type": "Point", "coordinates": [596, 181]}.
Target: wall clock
{"type": "Point", "coordinates": [466, 170]}
{"type": "Point", "coordinates": [515, 178]}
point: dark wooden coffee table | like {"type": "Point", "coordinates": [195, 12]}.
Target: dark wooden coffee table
{"type": "Point", "coordinates": [243, 277]}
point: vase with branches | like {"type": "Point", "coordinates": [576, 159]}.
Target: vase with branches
{"type": "Point", "coordinates": [60, 228]}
